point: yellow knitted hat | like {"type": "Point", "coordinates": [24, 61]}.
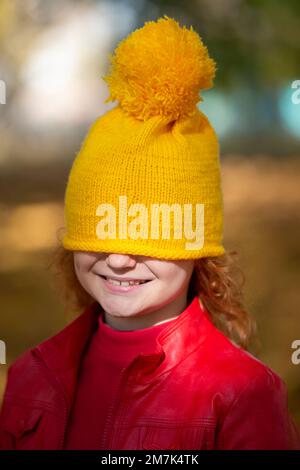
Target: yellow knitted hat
{"type": "Point", "coordinates": [146, 180]}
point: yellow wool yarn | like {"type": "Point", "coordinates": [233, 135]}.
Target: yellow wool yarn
{"type": "Point", "coordinates": [154, 148]}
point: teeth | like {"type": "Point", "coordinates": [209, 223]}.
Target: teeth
{"type": "Point", "coordinates": [124, 283]}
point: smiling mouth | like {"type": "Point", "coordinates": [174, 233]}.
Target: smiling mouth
{"type": "Point", "coordinates": [124, 283]}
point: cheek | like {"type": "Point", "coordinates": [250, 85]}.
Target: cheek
{"type": "Point", "coordinates": [82, 264]}
{"type": "Point", "coordinates": [173, 278]}
{"type": "Point", "coordinates": [78, 272]}
{"type": "Point", "coordinates": [86, 279]}
{"type": "Point", "coordinates": [176, 272]}
{"type": "Point", "coordinates": [76, 264]}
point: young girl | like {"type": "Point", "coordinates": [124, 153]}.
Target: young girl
{"type": "Point", "coordinates": [158, 357]}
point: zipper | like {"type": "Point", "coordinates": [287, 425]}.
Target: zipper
{"type": "Point", "coordinates": [38, 359]}
{"type": "Point", "coordinates": [106, 435]}
{"type": "Point", "coordinates": [110, 413]}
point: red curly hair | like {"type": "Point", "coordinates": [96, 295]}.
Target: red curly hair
{"type": "Point", "coordinates": [217, 281]}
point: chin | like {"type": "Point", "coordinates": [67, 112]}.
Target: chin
{"type": "Point", "coordinates": [113, 302]}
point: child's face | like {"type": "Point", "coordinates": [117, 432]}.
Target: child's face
{"type": "Point", "coordinates": [164, 296]}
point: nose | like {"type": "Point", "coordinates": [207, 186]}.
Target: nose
{"type": "Point", "coordinates": [118, 261]}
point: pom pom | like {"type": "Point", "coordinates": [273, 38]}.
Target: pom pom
{"type": "Point", "coordinates": [160, 69]}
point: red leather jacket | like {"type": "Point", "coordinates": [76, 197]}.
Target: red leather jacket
{"type": "Point", "coordinates": [196, 391]}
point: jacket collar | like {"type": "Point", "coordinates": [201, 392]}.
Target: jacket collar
{"type": "Point", "coordinates": [62, 353]}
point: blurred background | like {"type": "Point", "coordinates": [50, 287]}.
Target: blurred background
{"type": "Point", "coordinates": [52, 56]}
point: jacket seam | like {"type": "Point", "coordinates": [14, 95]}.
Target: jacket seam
{"type": "Point", "coordinates": [34, 404]}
